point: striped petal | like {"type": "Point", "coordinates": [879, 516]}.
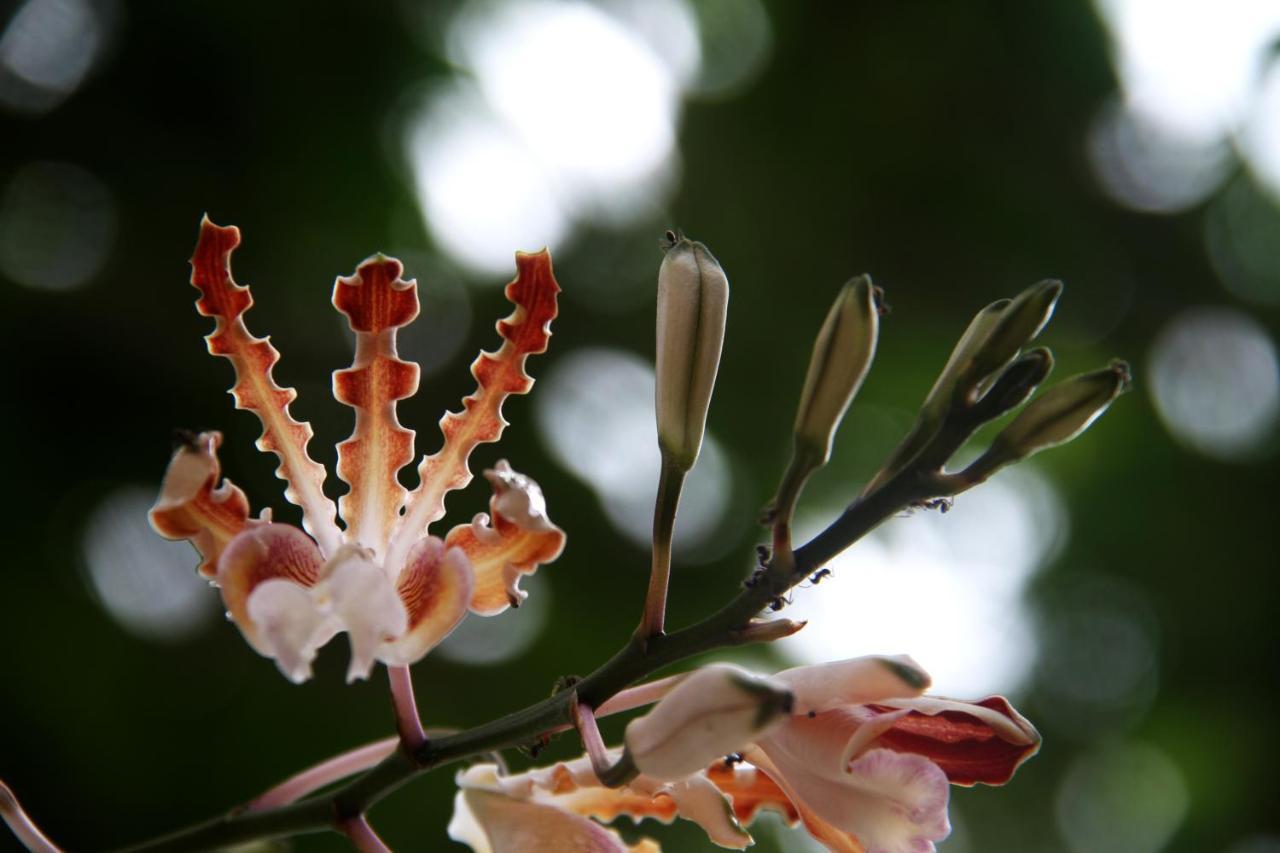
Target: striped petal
{"type": "Point", "coordinates": [514, 540]}
{"type": "Point", "coordinates": [255, 388]}
{"type": "Point", "coordinates": [377, 303]}
{"type": "Point", "coordinates": [196, 504]}
{"type": "Point", "coordinates": [434, 587]}
{"type": "Point", "coordinates": [498, 375]}
{"type": "Point", "coordinates": [984, 741]}
{"type": "Point", "coordinates": [266, 576]}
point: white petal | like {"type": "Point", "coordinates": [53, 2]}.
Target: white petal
{"type": "Point", "coordinates": [363, 598]}
{"type": "Point", "coordinates": [289, 626]}
{"type": "Point", "coordinates": [717, 710]}
{"type": "Point", "coordinates": [856, 681]}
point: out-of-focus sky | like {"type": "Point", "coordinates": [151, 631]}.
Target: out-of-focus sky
{"type": "Point", "coordinates": [1116, 588]}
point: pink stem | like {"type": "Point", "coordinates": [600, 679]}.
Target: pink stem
{"type": "Point", "coordinates": [362, 835]}
{"type": "Point", "coordinates": [408, 723]}
{"type": "Point", "coordinates": [22, 824]}
{"type": "Point", "coordinates": [641, 694]}
{"type": "Point", "coordinates": [585, 722]}
{"type": "Point", "coordinates": [314, 778]}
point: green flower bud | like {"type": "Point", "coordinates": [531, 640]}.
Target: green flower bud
{"type": "Point", "coordinates": [693, 300]}
{"type": "Point", "coordinates": [841, 358]}
{"type": "Point", "coordinates": [1021, 321]}
{"type": "Point", "coordinates": [1055, 417]}
{"type": "Point", "coordinates": [1013, 386]}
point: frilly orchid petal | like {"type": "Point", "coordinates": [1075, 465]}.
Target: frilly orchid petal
{"type": "Point", "coordinates": [365, 602]}
{"type": "Point", "coordinates": [194, 505]}
{"type": "Point", "coordinates": [434, 587]}
{"type": "Point", "coordinates": [489, 820]}
{"type": "Point", "coordinates": [984, 741]}
{"type": "Point", "coordinates": [498, 375]}
{"type": "Point", "coordinates": [520, 538]}
{"type": "Point", "coordinates": [255, 388]}
{"type": "Point", "coordinates": [265, 575]}
{"type": "Point", "coordinates": [377, 303]}
{"type": "Point", "coordinates": [856, 681]}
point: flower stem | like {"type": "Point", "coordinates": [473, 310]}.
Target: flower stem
{"type": "Point", "coordinates": [314, 778]}
{"type": "Point", "coordinates": [670, 482]}
{"type": "Point", "coordinates": [408, 723]}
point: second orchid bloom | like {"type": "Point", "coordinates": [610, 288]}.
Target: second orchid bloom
{"type": "Point", "coordinates": [396, 590]}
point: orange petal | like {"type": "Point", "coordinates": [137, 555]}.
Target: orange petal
{"type": "Point", "coordinates": [377, 303]}
{"type": "Point", "coordinates": [434, 586]}
{"type": "Point", "coordinates": [500, 374]}
{"type": "Point", "coordinates": [265, 575]}
{"type": "Point", "coordinates": [255, 388]}
{"type": "Point", "coordinates": [194, 505]}
{"type": "Point", "coordinates": [520, 539]}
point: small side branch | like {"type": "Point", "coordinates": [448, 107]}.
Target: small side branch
{"type": "Point", "coordinates": [408, 723]}
{"type": "Point", "coordinates": [21, 824]}
{"type": "Point", "coordinates": [326, 772]}
{"type": "Point", "coordinates": [670, 482]}
{"type": "Point", "coordinates": [362, 836]}
{"type": "Point", "coordinates": [609, 772]}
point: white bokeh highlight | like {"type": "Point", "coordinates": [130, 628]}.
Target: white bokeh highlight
{"type": "Point", "coordinates": [595, 413]}
{"type": "Point", "coordinates": [46, 51]}
{"type": "Point", "coordinates": [1216, 384]}
{"type": "Point", "coordinates": [147, 584]}
{"type": "Point", "coordinates": [1121, 798]}
{"type": "Point", "coordinates": [946, 589]}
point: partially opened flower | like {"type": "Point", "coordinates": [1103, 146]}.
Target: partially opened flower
{"type": "Point", "coordinates": [394, 589]}
{"type": "Point", "coordinates": [867, 762]}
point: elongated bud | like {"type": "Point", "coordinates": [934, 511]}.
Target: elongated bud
{"type": "Point", "coordinates": [693, 300]}
{"type": "Point", "coordinates": [715, 711]}
{"type": "Point", "coordinates": [1055, 417]}
{"type": "Point", "coordinates": [1021, 321]}
{"type": "Point", "coordinates": [841, 358]}
{"type": "Point", "coordinates": [1014, 385]}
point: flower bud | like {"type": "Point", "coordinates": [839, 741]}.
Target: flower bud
{"type": "Point", "coordinates": [1021, 321]}
{"type": "Point", "coordinates": [717, 710]}
{"type": "Point", "coordinates": [841, 357]}
{"type": "Point", "coordinates": [1056, 416]}
{"type": "Point", "coordinates": [1014, 385]}
{"type": "Point", "coordinates": [693, 299]}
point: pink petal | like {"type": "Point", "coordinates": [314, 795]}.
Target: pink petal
{"type": "Point", "coordinates": [255, 389]}
{"type": "Point", "coordinates": [376, 303]}
{"type": "Point", "coordinates": [435, 588]}
{"type": "Point", "coordinates": [489, 822]}
{"type": "Point", "coordinates": [264, 575]}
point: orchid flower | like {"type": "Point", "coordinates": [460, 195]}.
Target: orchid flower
{"type": "Point", "coordinates": [863, 761]}
{"type": "Point", "coordinates": [396, 590]}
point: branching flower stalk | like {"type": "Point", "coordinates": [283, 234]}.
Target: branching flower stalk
{"type": "Point", "coordinates": [397, 591]}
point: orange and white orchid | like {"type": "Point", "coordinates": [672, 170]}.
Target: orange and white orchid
{"type": "Point", "coordinates": [864, 762]}
{"type": "Point", "coordinates": [394, 589]}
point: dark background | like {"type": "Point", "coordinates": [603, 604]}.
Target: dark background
{"type": "Point", "coordinates": [943, 147]}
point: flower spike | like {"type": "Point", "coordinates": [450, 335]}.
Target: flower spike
{"type": "Point", "coordinates": [498, 375]}
{"type": "Point", "coordinates": [255, 388]}
{"type": "Point", "coordinates": [377, 303]}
